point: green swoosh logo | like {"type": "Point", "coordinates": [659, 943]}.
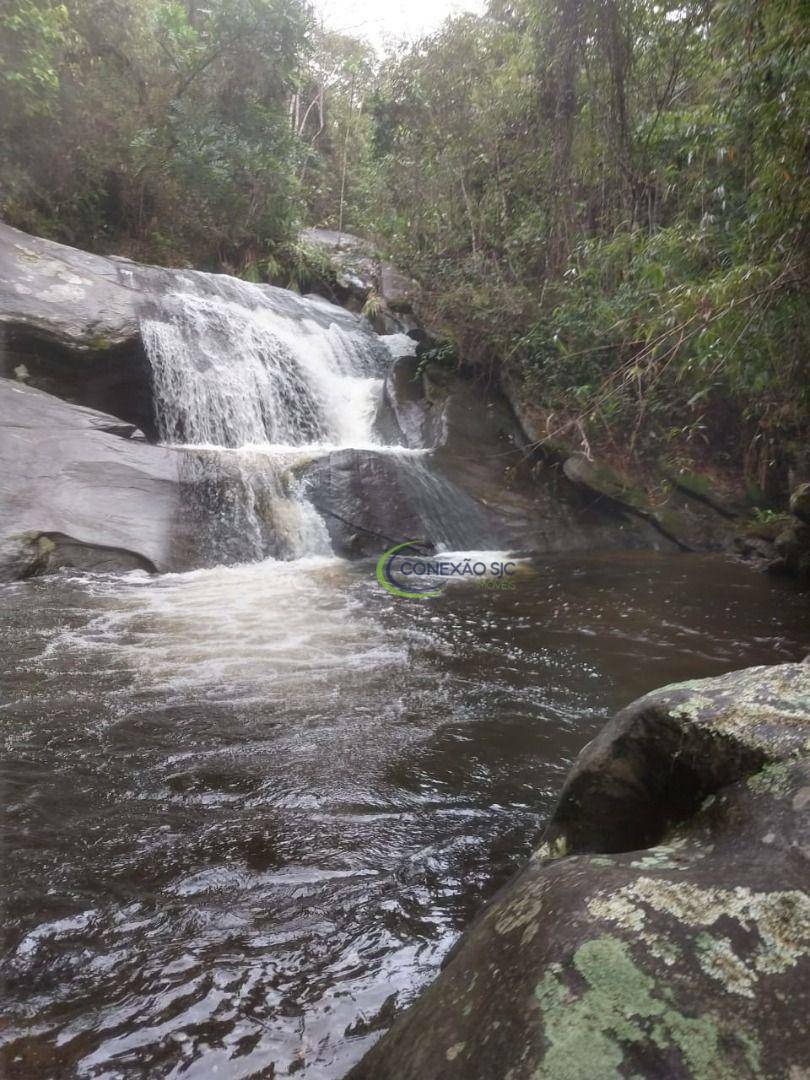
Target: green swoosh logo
{"type": "Point", "coordinates": [388, 583]}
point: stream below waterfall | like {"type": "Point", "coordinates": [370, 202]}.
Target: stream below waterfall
{"type": "Point", "coordinates": [251, 806]}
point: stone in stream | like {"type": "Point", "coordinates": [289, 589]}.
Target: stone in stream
{"type": "Point", "coordinates": [793, 540]}
{"type": "Point", "coordinates": [371, 500]}
{"type": "Point", "coordinates": [81, 488]}
{"type": "Point", "coordinates": [662, 929]}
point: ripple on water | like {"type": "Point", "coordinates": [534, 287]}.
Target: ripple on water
{"type": "Point", "coordinates": [250, 809]}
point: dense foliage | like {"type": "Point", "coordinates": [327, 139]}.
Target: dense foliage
{"type": "Point", "coordinates": [605, 199]}
{"type": "Point", "coordinates": [151, 126]}
{"type": "Point", "coordinates": [611, 197]}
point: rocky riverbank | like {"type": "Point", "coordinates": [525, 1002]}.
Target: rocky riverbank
{"type": "Point", "coordinates": [662, 927]}
{"type": "Point", "coordinates": [83, 483]}
{"type": "Point", "coordinates": [679, 501]}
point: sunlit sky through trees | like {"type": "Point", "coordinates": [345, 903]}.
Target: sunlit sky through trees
{"type": "Point", "coordinates": [384, 22]}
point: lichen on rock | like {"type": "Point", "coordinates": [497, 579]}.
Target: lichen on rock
{"type": "Point", "coordinates": [687, 956]}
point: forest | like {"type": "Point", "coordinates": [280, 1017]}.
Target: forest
{"type": "Point", "coordinates": [606, 200]}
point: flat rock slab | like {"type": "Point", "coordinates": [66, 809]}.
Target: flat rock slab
{"type": "Point", "coordinates": [689, 958]}
{"type": "Point", "coordinates": [78, 479]}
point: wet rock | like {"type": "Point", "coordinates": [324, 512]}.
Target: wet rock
{"type": "Point", "coordinates": [77, 489]}
{"type": "Point", "coordinates": [481, 448]}
{"type": "Point", "coordinates": [793, 550]}
{"type": "Point", "coordinates": [757, 550]}
{"type": "Point", "coordinates": [474, 489]}
{"type": "Point", "coordinates": [690, 521]}
{"type": "Point", "coordinates": [404, 393]}
{"type": "Point", "coordinates": [372, 500]}
{"type": "Point", "coordinates": [663, 926]}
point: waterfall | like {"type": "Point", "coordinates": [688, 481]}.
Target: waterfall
{"type": "Point", "coordinates": [238, 365]}
{"type": "Point", "coordinates": [455, 518]}
{"type": "Point", "coordinates": [249, 505]}
{"type": "Point", "coordinates": [253, 383]}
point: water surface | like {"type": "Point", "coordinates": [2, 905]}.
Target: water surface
{"type": "Point", "coordinates": [250, 808]}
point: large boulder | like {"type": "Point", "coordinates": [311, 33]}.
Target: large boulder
{"type": "Point", "coordinates": [371, 500]}
{"type": "Point", "coordinates": [800, 503]}
{"type": "Point", "coordinates": [66, 295]}
{"type": "Point", "coordinates": [365, 280]}
{"type": "Point", "coordinates": [69, 325]}
{"type": "Point", "coordinates": [689, 519]}
{"type": "Point", "coordinates": [399, 291]}
{"type": "Point", "coordinates": [356, 261]}
{"type": "Point", "coordinates": [694, 511]}
{"type": "Point", "coordinates": [82, 488]}
{"type": "Point", "coordinates": [662, 928]}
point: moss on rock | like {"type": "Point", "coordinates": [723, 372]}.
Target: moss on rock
{"type": "Point", "coordinates": [689, 958]}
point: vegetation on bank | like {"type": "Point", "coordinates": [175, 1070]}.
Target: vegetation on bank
{"type": "Point", "coordinates": [605, 199]}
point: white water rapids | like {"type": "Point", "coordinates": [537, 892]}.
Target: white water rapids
{"type": "Point", "coordinates": [238, 365]}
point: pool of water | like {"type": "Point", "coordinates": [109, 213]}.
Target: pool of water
{"type": "Point", "coordinates": [249, 809]}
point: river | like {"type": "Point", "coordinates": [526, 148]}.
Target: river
{"type": "Point", "coordinates": [250, 808]}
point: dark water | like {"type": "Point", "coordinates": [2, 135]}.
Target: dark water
{"type": "Point", "coordinates": [250, 809]}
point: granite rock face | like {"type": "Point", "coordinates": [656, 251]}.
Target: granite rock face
{"type": "Point", "coordinates": [662, 929]}
{"type": "Point", "coordinates": [69, 325]}
{"type": "Point", "coordinates": [81, 488]}
{"type": "Point", "coordinates": [364, 277]}
{"type": "Point", "coordinates": [68, 296]}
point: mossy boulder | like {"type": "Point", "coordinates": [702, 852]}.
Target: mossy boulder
{"type": "Point", "coordinates": [603, 480]}
{"type": "Point", "coordinates": [688, 520]}
{"type": "Point", "coordinates": [662, 928]}
{"type": "Point", "coordinates": [793, 550]}
{"type": "Point", "coordinates": [363, 280]}
{"type": "Point", "coordinates": [722, 496]}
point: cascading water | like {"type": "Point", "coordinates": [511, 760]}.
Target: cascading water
{"type": "Point", "coordinates": [252, 806]}
{"type": "Point", "coordinates": [238, 365]}
{"type": "Point", "coordinates": [253, 381]}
